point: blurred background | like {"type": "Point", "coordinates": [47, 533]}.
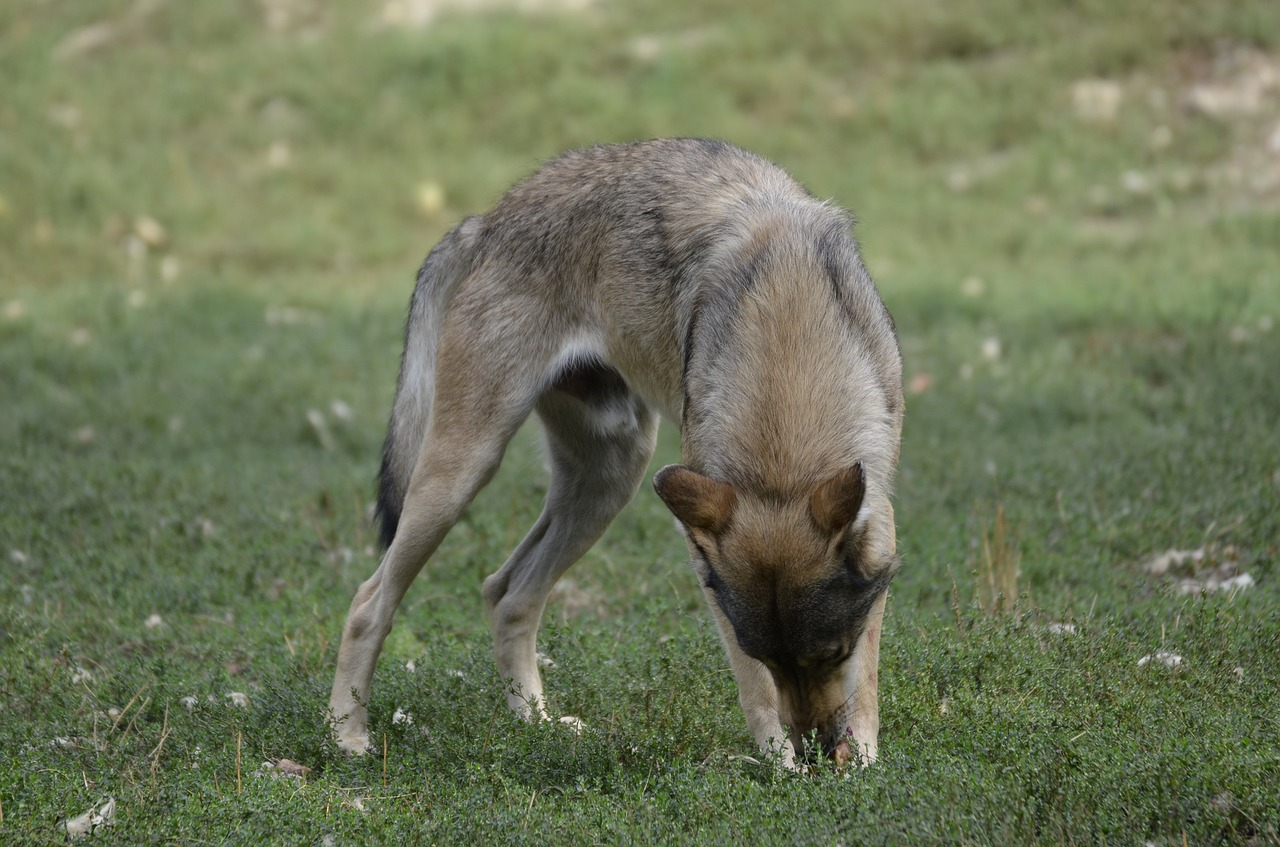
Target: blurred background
{"type": "Point", "coordinates": [211, 214]}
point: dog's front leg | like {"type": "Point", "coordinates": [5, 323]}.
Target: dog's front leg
{"type": "Point", "coordinates": [757, 695]}
{"type": "Point", "coordinates": [864, 719]}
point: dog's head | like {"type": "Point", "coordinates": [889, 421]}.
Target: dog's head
{"type": "Point", "coordinates": [796, 579]}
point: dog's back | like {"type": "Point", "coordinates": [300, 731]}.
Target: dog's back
{"type": "Point", "coordinates": [645, 253]}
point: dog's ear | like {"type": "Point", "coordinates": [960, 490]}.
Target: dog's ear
{"type": "Point", "coordinates": [835, 503]}
{"type": "Point", "coordinates": [697, 501]}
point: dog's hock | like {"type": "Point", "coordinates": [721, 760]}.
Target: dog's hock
{"type": "Point", "coordinates": [835, 503]}
{"type": "Point", "coordinates": [697, 501]}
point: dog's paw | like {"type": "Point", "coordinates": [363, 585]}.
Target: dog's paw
{"type": "Point", "coordinates": [355, 745]}
{"type": "Point", "coordinates": [575, 724]}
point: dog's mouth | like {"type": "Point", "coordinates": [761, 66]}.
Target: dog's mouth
{"type": "Point", "coordinates": [811, 748]}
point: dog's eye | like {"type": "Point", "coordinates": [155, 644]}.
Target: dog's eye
{"type": "Point", "coordinates": [836, 656]}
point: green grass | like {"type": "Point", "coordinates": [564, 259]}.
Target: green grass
{"type": "Point", "coordinates": [156, 455]}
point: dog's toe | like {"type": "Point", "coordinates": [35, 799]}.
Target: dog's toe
{"type": "Point", "coordinates": [355, 745]}
{"type": "Point", "coordinates": [573, 723]}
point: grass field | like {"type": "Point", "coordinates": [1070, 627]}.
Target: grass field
{"type": "Point", "coordinates": [210, 217]}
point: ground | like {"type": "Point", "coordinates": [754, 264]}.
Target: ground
{"type": "Point", "coordinates": [210, 217]}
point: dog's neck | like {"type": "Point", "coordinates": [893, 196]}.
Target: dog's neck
{"type": "Point", "coordinates": [780, 390]}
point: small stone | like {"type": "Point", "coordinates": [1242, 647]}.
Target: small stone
{"type": "Point", "coordinates": [15, 310]}
{"type": "Point", "coordinates": [279, 155]}
{"type": "Point", "coordinates": [154, 621]}
{"type": "Point", "coordinates": [85, 435]}
{"type": "Point", "coordinates": [18, 557]}
{"type": "Point", "coordinates": [973, 287]}
{"type": "Point", "coordinates": [65, 115]}
{"type": "Point", "coordinates": [1161, 657]}
{"type": "Point", "coordinates": [991, 349]}
{"type": "Point", "coordinates": [1135, 182]}
{"type": "Point", "coordinates": [920, 383]}
{"type": "Point", "coordinates": [288, 767]}
{"type": "Point", "coordinates": [170, 267]}
{"type": "Point", "coordinates": [238, 699]}
{"type": "Point", "coordinates": [959, 180]}
{"type": "Point", "coordinates": [431, 200]}
{"type": "Point", "coordinates": [80, 337]}
{"type": "Point", "coordinates": [150, 231]}
{"type": "Point", "coordinates": [1096, 100]}
{"type": "Point", "coordinates": [92, 820]}
{"type": "Point", "coordinates": [189, 702]}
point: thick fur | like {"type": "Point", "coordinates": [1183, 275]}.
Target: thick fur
{"type": "Point", "coordinates": [692, 279]}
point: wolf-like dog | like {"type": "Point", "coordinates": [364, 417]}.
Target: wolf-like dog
{"type": "Point", "coordinates": [686, 278]}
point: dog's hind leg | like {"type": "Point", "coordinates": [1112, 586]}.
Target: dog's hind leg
{"type": "Point", "coordinates": [479, 404]}
{"type": "Point", "coordinates": [600, 437]}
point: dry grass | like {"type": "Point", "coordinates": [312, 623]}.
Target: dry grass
{"type": "Point", "coordinates": [1000, 567]}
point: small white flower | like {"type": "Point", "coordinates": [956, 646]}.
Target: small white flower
{"type": "Point", "coordinates": [154, 621]}
{"type": "Point", "coordinates": [238, 699]}
{"type": "Point", "coordinates": [402, 717]}
{"type": "Point", "coordinates": [1062, 628]}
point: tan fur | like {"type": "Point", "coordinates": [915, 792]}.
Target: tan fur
{"type": "Point", "coordinates": [686, 278]}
